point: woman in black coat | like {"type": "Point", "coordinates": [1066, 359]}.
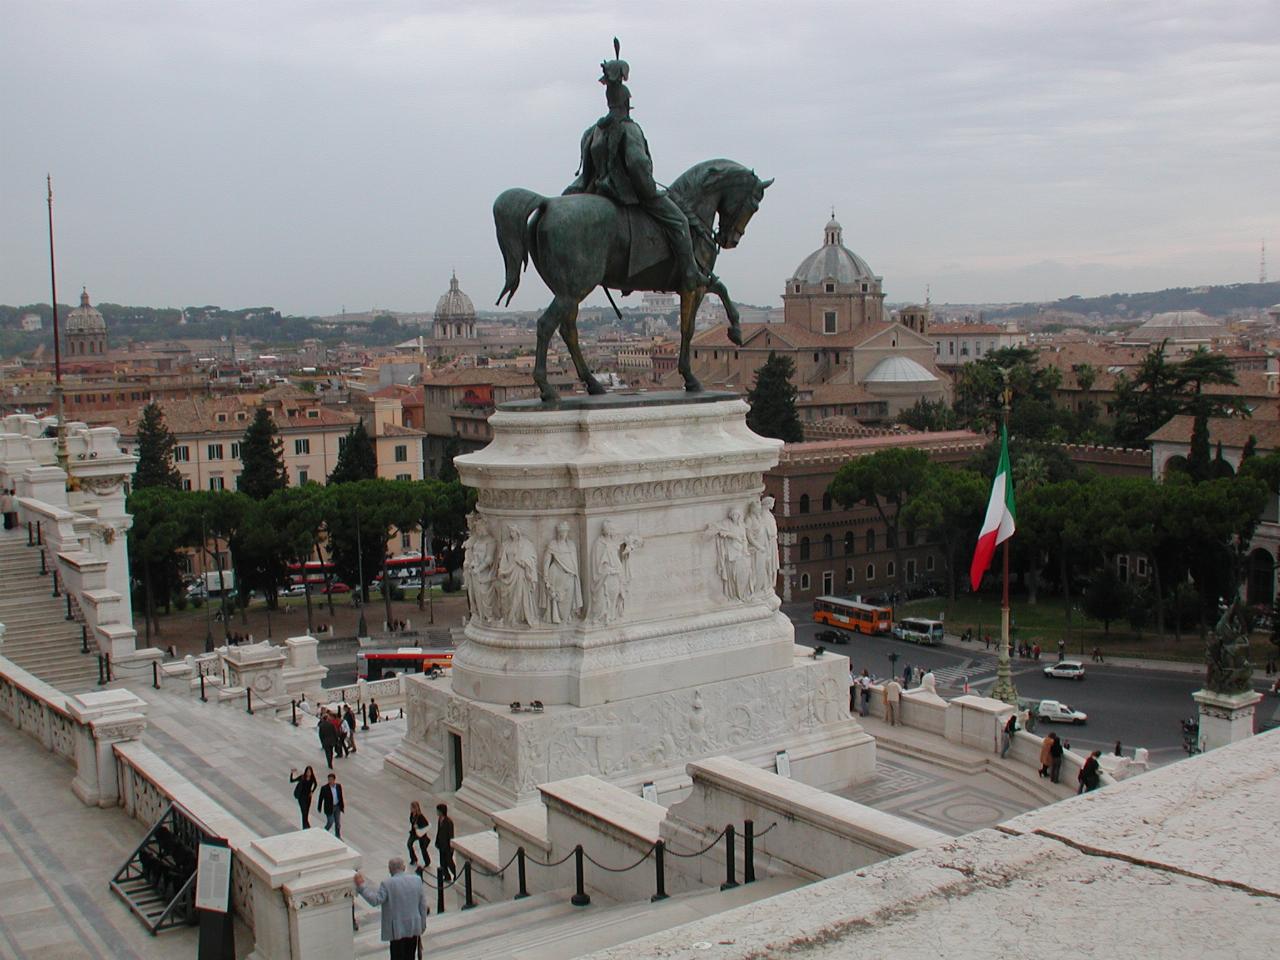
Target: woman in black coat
{"type": "Point", "coordinates": [418, 835]}
{"type": "Point", "coordinates": [306, 786]}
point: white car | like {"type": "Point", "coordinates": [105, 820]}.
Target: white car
{"type": "Point", "coordinates": [1065, 670]}
{"type": "Point", "coordinates": [1052, 711]}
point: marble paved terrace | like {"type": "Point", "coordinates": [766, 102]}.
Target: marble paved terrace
{"type": "Point", "coordinates": [58, 855]}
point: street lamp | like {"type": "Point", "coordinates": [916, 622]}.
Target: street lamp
{"type": "Point", "coordinates": [362, 628]}
{"type": "Point", "coordinates": [208, 612]}
{"type": "Point", "coordinates": [893, 664]}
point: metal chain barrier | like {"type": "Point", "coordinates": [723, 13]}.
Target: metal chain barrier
{"type": "Point", "coordinates": [594, 862]}
{"type": "Point", "coordinates": [689, 856]}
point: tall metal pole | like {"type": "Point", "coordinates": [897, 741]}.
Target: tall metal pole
{"type": "Point", "coordinates": [208, 600]}
{"type": "Point", "coordinates": [61, 450]}
{"type": "Point", "coordinates": [362, 628]}
{"type": "Point", "coordinates": [1004, 688]}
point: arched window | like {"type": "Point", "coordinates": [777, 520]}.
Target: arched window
{"type": "Point", "coordinates": [848, 574]}
{"type": "Point", "coordinates": [804, 548]}
{"type": "Point", "coordinates": [804, 581]}
{"type": "Point", "coordinates": [890, 570]}
{"type": "Point", "coordinates": [871, 541]}
{"type": "Point", "coordinates": [848, 543]}
{"type": "Point", "coordinates": [826, 500]}
{"type": "Point", "coordinates": [827, 544]}
{"type": "Point", "coordinates": [871, 571]}
{"type": "Point", "coordinates": [804, 503]}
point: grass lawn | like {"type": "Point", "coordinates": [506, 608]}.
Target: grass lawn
{"type": "Point", "coordinates": [1045, 623]}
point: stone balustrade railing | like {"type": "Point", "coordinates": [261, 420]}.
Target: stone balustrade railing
{"type": "Point", "coordinates": [37, 709]}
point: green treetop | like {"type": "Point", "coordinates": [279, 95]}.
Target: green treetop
{"type": "Point", "coordinates": [155, 452]}
{"type": "Point", "coordinates": [357, 459]}
{"type": "Point", "coordinates": [773, 401]}
{"type": "Point", "coordinates": [262, 453]}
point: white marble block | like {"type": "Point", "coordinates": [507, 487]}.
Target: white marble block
{"type": "Point", "coordinates": [1225, 717]}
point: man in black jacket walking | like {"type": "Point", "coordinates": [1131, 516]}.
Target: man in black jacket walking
{"type": "Point", "coordinates": [333, 803]}
{"type": "Point", "coordinates": [444, 842]}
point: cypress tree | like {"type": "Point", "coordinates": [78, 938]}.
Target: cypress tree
{"type": "Point", "coordinates": [357, 460]}
{"type": "Point", "coordinates": [773, 401]}
{"type": "Point", "coordinates": [262, 453]}
{"type": "Point", "coordinates": [155, 452]}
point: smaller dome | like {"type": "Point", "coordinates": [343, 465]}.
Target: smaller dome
{"type": "Point", "coordinates": [455, 305]}
{"type": "Point", "coordinates": [899, 370]}
{"type": "Point", "coordinates": [84, 318]}
{"type": "Point", "coordinates": [1176, 325]}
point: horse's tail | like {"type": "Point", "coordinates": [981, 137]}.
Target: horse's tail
{"type": "Point", "coordinates": [511, 212]}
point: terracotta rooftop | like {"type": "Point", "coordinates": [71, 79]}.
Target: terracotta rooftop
{"type": "Point", "coordinates": [1230, 432]}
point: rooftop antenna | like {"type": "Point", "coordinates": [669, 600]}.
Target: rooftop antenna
{"type": "Point", "coordinates": [61, 448]}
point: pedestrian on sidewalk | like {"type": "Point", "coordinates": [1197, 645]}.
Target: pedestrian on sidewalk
{"type": "Point", "coordinates": [864, 683]}
{"type": "Point", "coordinates": [1055, 758]}
{"type": "Point", "coordinates": [418, 835]}
{"type": "Point", "coordinates": [328, 736]}
{"type": "Point", "coordinates": [853, 690]}
{"type": "Point", "coordinates": [340, 735]}
{"type": "Point", "coordinates": [349, 724]}
{"type": "Point", "coordinates": [892, 694]}
{"type": "Point", "coordinates": [373, 710]}
{"type": "Point", "coordinates": [1062, 650]}
{"type": "Point", "coordinates": [444, 842]}
{"type": "Point", "coordinates": [1046, 754]}
{"type": "Point", "coordinates": [1006, 739]}
{"type": "Point", "coordinates": [333, 803]}
{"type": "Point", "coordinates": [306, 786]}
{"type": "Point", "coordinates": [1119, 749]}
{"type": "Point", "coordinates": [403, 902]}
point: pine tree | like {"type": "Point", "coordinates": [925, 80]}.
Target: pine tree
{"type": "Point", "coordinates": [773, 401]}
{"type": "Point", "coordinates": [155, 452]}
{"type": "Point", "coordinates": [262, 453]}
{"type": "Point", "coordinates": [1198, 462]}
{"type": "Point", "coordinates": [357, 458]}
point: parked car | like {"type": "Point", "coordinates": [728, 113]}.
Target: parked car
{"type": "Point", "coordinates": [831, 636]}
{"type": "Point", "coordinates": [293, 590]}
{"type": "Point", "coordinates": [1053, 711]}
{"type": "Point", "coordinates": [336, 587]}
{"type": "Point", "coordinates": [1065, 670]}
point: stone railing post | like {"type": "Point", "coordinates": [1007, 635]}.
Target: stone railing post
{"type": "Point", "coordinates": [103, 719]}
{"type": "Point", "coordinates": [1225, 717]}
{"type": "Point", "coordinates": [302, 895]}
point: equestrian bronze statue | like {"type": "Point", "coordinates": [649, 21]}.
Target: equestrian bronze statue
{"type": "Point", "coordinates": [613, 227]}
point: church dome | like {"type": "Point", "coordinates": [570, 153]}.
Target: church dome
{"type": "Point", "coordinates": [1178, 325]}
{"type": "Point", "coordinates": [832, 261]}
{"type": "Point", "coordinates": [899, 370]}
{"type": "Point", "coordinates": [84, 318]}
{"type": "Point", "coordinates": [455, 305]}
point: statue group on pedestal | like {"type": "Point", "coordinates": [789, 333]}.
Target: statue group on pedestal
{"type": "Point", "coordinates": [1227, 666]}
{"type": "Point", "coordinates": [747, 550]}
{"type": "Point", "coordinates": [508, 586]}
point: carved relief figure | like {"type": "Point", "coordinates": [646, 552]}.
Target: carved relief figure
{"type": "Point", "coordinates": [560, 577]}
{"type": "Point", "coordinates": [517, 578]}
{"type": "Point", "coordinates": [771, 535]}
{"type": "Point", "coordinates": [733, 561]}
{"type": "Point", "coordinates": [610, 560]}
{"type": "Point", "coordinates": [478, 569]}
{"type": "Point", "coordinates": [758, 546]}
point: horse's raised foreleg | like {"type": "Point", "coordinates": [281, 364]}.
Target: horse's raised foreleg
{"type": "Point", "coordinates": [718, 288]}
{"type": "Point", "coordinates": [569, 333]}
{"type": "Point", "coordinates": [689, 300]}
{"type": "Point", "coordinates": [548, 323]}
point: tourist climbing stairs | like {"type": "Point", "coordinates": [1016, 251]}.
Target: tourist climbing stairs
{"type": "Point", "coordinates": [158, 879]}
{"type": "Point", "coordinates": [38, 636]}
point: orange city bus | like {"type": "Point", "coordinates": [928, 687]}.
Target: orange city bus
{"type": "Point", "coordinates": [852, 615]}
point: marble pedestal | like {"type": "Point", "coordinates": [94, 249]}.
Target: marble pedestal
{"type": "Point", "coordinates": [620, 570]}
{"type": "Point", "coordinates": [1225, 717]}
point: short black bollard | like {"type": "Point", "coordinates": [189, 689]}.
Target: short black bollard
{"type": "Point", "coordinates": [364, 717]}
{"type": "Point", "coordinates": [202, 696]}
{"type": "Point", "coordinates": [155, 675]}
{"type": "Point", "coordinates": [100, 680]}
{"type": "Point", "coordinates": [523, 891]}
{"type": "Point", "coordinates": [70, 616]}
{"type": "Point", "coordinates": [84, 638]}
{"type": "Point", "coordinates": [248, 700]}
{"type": "Point", "coordinates": [31, 536]}
{"type": "Point", "coordinates": [344, 696]}
{"type": "Point", "coordinates": [748, 851]}
{"type": "Point", "coordinates": [468, 902]}
{"type": "Point", "coordinates": [40, 537]}
{"type": "Point", "coordinates": [293, 708]}
{"type": "Point", "coordinates": [56, 592]}
{"type": "Point", "coordinates": [106, 660]}
{"type": "Point", "coordinates": [660, 871]}
{"type": "Point", "coordinates": [730, 868]}
{"type": "Point", "coordinates": [579, 898]}
{"type": "Point", "coordinates": [44, 572]}
{"type": "Point", "coordinates": [439, 890]}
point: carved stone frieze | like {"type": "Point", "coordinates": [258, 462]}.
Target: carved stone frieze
{"type": "Point", "coordinates": [321, 898]}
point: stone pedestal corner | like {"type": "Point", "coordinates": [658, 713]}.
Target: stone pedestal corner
{"type": "Point", "coordinates": [103, 719]}
{"type": "Point", "coordinates": [258, 667]}
{"type": "Point", "coordinates": [1225, 717]}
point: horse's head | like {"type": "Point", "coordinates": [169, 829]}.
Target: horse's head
{"type": "Point", "coordinates": [734, 190]}
{"type": "Point", "coordinates": [739, 201]}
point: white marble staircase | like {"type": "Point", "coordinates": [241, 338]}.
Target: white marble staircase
{"type": "Point", "coordinates": [548, 927]}
{"type": "Point", "coordinates": [38, 637]}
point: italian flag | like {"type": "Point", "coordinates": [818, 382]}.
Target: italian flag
{"type": "Point", "coordinates": [999, 524]}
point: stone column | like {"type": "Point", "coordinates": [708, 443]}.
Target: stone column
{"type": "Point", "coordinates": [1225, 717]}
{"type": "Point", "coordinates": [303, 672]}
{"type": "Point", "coordinates": [302, 895]}
{"type": "Point", "coordinates": [103, 719]}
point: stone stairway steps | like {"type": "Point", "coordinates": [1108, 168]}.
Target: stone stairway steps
{"type": "Point", "coordinates": [549, 927]}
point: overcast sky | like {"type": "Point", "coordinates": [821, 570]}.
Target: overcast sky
{"type": "Point", "coordinates": [318, 155]}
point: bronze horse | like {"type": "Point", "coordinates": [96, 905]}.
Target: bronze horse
{"type": "Point", "coordinates": [583, 241]}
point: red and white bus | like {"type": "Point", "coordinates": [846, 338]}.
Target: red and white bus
{"type": "Point", "coordinates": [852, 615]}
{"type": "Point", "coordinates": [382, 664]}
{"type": "Point", "coordinates": [410, 567]}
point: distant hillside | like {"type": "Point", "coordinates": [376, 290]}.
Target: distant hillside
{"type": "Point", "coordinates": [1215, 301]}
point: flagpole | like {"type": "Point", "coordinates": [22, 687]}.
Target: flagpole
{"type": "Point", "coordinates": [1004, 688]}
{"type": "Point", "coordinates": [61, 443]}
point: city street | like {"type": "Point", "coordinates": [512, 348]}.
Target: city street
{"type": "Point", "coordinates": [1139, 706]}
